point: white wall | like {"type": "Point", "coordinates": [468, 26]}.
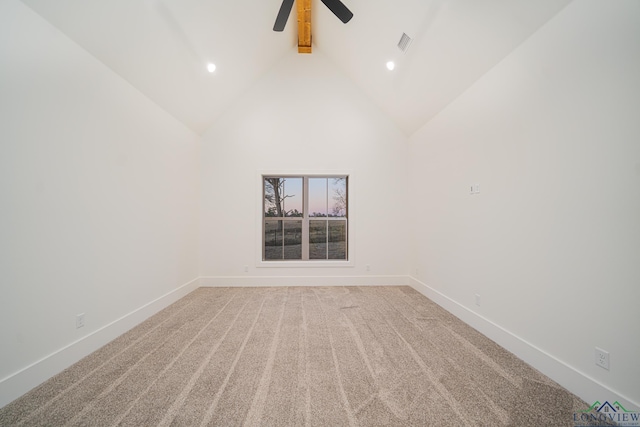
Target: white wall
{"type": "Point", "coordinates": [552, 242]}
{"type": "Point", "coordinates": [303, 116]}
{"type": "Point", "coordinates": [100, 196]}
{"type": "Point", "coordinates": [99, 202]}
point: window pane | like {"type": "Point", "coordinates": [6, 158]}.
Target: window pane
{"type": "Point", "coordinates": [269, 196]}
{"type": "Point", "coordinates": [272, 239]}
{"type": "Point", "coordinates": [317, 197]}
{"type": "Point", "coordinates": [292, 196]}
{"type": "Point", "coordinates": [318, 239]}
{"type": "Point", "coordinates": [292, 239]}
{"type": "Point", "coordinates": [338, 197]}
{"type": "Point", "coordinates": [282, 197]}
{"type": "Point", "coordinates": [337, 239]}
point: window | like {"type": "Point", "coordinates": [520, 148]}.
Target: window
{"type": "Point", "coordinates": [305, 218]}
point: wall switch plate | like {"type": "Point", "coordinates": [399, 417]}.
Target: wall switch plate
{"type": "Point", "coordinates": [602, 358]}
{"type": "Point", "coordinates": [475, 189]}
{"type": "Point", "coordinates": [80, 321]}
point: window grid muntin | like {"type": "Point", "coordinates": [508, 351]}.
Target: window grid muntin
{"type": "Point", "coordinates": [306, 218]}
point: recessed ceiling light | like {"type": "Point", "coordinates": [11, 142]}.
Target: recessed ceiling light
{"type": "Point", "coordinates": [391, 65]}
{"type": "Point", "coordinates": [211, 67]}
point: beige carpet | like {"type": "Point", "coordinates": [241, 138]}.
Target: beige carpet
{"type": "Point", "coordinates": [330, 356]}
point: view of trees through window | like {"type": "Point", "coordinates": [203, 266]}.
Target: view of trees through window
{"type": "Point", "coordinates": [305, 217]}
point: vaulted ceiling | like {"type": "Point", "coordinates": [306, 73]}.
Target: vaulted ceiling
{"type": "Point", "coordinates": [162, 47]}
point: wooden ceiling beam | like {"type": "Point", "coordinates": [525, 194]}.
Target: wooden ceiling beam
{"type": "Point", "coordinates": [304, 26]}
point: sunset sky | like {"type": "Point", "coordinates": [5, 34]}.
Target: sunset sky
{"type": "Point", "coordinates": [321, 192]}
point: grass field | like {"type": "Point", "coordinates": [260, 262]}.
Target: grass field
{"type": "Point", "coordinates": [317, 251]}
{"type": "Point", "coordinates": [283, 239]}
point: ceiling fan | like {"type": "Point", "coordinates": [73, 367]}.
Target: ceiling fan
{"type": "Point", "coordinates": [304, 19]}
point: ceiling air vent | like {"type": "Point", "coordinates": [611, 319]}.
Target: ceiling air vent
{"type": "Point", "coordinates": [404, 42]}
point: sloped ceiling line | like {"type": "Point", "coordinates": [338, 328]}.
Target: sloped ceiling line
{"type": "Point", "coordinates": [162, 47]}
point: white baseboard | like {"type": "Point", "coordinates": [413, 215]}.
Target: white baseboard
{"type": "Point", "coordinates": [19, 383]}
{"type": "Point", "coordinates": [264, 281]}
{"type": "Point", "coordinates": [567, 376]}
{"type": "Point", "coordinates": [577, 382]}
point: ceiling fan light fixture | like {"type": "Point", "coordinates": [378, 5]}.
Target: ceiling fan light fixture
{"type": "Point", "coordinates": [211, 67]}
{"type": "Point", "coordinates": [391, 65]}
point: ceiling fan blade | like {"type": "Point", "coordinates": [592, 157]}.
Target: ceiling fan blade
{"type": "Point", "coordinates": [339, 9]}
{"type": "Point", "coordinates": [283, 15]}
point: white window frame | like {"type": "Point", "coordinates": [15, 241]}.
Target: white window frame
{"type": "Point", "coordinates": [316, 263]}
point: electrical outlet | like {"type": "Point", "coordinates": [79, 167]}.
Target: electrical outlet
{"type": "Point", "coordinates": [478, 300]}
{"type": "Point", "coordinates": [368, 267]}
{"type": "Point", "coordinates": [602, 358]}
{"type": "Point", "coordinates": [80, 321]}
{"type": "Point", "coordinates": [246, 268]}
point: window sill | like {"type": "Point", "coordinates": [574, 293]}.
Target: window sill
{"type": "Point", "coordinates": [305, 264]}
